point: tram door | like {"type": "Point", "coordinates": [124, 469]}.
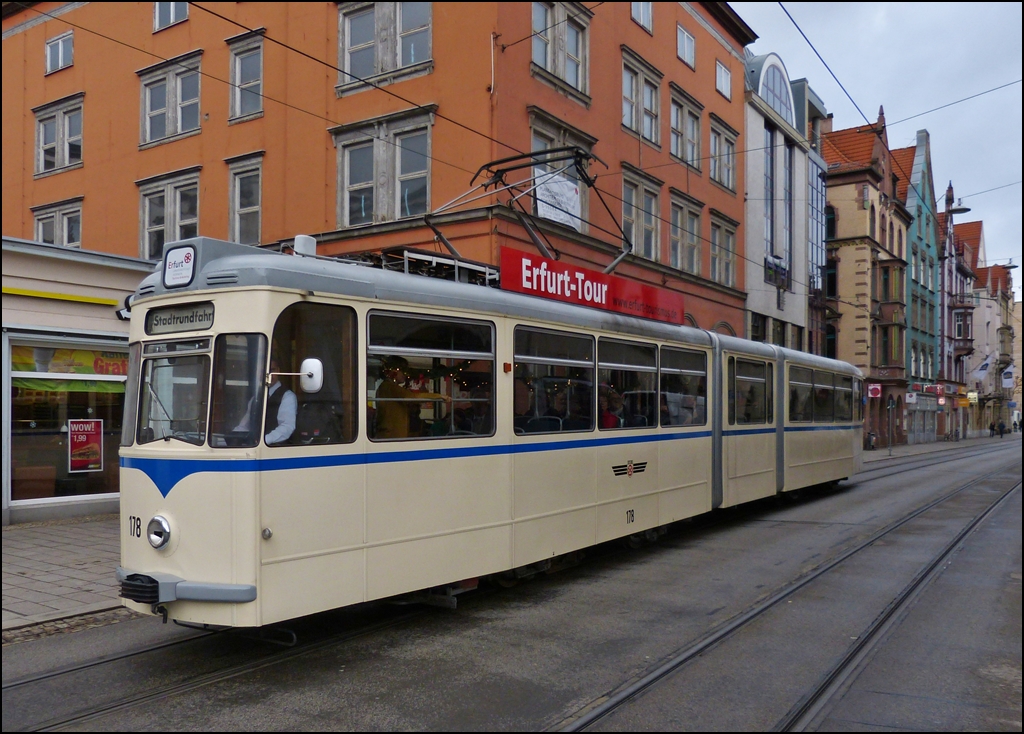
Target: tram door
{"type": "Point", "coordinates": [749, 436]}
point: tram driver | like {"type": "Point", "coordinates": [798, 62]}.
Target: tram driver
{"type": "Point", "coordinates": [282, 407]}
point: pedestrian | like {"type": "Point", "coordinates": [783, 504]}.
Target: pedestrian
{"type": "Point", "coordinates": [991, 430]}
{"type": "Point", "coordinates": [1002, 429]}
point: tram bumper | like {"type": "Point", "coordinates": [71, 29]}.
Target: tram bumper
{"type": "Point", "coordinates": [159, 588]}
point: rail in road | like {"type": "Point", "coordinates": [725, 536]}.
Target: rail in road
{"type": "Point", "coordinates": [231, 655]}
{"type": "Point", "coordinates": [833, 680]}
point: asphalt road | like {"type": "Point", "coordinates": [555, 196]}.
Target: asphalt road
{"type": "Point", "coordinates": [535, 656]}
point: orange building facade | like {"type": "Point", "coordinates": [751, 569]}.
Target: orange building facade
{"type": "Point", "coordinates": [130, 125]}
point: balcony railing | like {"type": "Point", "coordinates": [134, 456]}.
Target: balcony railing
{"type": "Point", "coordinates": [962, 347]}
{"type": "Point", "coordinates": [962, 300]}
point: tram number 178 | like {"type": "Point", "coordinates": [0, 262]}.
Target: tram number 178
{"type": "Point", "coordinates": [134, 526]}
{"type": "Point", "coordinates": [630, 517]}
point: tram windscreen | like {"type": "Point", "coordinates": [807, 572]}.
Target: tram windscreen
{"type": "Point", "coordinates": [173, 398]}
{"type": "Point", "coordinates": [239, 363]}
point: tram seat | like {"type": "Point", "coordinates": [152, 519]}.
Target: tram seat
{"type": "Point", "coordinates": [544, 424]}
{"type": "Point", "coordinates": [317, 422]}
{"type": "Point", "coordinates": [576, 424]}
{"type": "Point", "coordinates": [520, 422]}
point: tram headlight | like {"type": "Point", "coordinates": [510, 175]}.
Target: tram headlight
{"type": "Point", "coordinates": [158, 532]}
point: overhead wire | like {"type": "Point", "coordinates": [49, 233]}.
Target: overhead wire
{"type": "Point", "coordinates": [374, 85]}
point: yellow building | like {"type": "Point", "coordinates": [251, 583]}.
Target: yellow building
{"type": "Point", "coordinates": [865, 274]}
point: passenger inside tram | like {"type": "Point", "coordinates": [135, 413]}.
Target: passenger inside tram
{"type": "Point", "coordinates": [398, 407]}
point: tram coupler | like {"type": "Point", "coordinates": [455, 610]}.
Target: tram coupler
{"type": "Point", "coordinates": [160, 610]}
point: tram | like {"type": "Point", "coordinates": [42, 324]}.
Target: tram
{"type": "Point", "coordinates": [303, 433]}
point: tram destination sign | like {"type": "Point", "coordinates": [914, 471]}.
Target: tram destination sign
{"type": "Point", "coordinates": [533, 275]}
{"type": "Point", "coordinates": [171, 320]}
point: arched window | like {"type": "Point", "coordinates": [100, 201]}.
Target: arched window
{"type": "Point", "coordinates": [776, 92]}
{"type": "Point", "coordinates": [899, 242]}
{"type": "Point", "coordinates": [891, 242]}
{"type": "Point", "coordinates": [881, 233]}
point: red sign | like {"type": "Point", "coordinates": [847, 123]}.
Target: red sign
{"type": "Point", "coordinates": [874, 390]}
{"type": "Point", "coordinates": [85, 446]}
{"type": "Point", "coordinates": [537, 276]}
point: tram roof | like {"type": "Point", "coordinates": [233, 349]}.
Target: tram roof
{"type": "Point", "coordinates": [221, 264]}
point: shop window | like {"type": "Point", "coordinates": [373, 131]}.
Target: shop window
{"type": "Point", "coordinates": [66, 408]}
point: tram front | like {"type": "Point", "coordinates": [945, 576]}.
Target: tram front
{"type": "Point", "coordinates": [193, 417]}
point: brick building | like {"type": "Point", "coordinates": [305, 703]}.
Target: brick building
{"type": "Point", "coordinates": [130, 125]}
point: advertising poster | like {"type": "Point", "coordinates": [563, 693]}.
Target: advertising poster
{"type": "Point", "coordinates": [85, 446]}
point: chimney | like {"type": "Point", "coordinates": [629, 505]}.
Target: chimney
{"type": "Point", "coordinates": [826, 124]}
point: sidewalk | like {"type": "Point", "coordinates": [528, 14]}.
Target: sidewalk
{"type": "Point", "coordinates": [58, 569]}
{"type": "Point", "coordinates": [66, 568]}
{"type": "Point", "coordinates": [880, 454]}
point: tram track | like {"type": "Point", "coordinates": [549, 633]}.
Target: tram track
{"type": "Point", "coordinates": [85, 715]}
{"type": "Point", "coordinates": [100, 661]}
{"type": "Point", "coordinates": [814, 701]}
{"type": "Point", "coordinates": [835, 680]}
{"type": "Point", "coordinates": [694, 649]}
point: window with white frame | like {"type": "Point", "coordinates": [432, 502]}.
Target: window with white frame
{"type": "Point", "coordinates": [640, 96]}
{"type": "Point", "coordinates": [59, 223]}
{"type": "Point", "coordinates": [722, 157]}
{"type": "Point", "coordinates": [59, 134]}
{"type": "Point", "coordinates": [413, 174]}
{"type": "Point", "coordinates": [686, 47]}
{"type": "Point", "coordinates": [60, 52]}
{"type": "Point", "coordinates": [247, 76]}
{"type": "Point", "coordinates": [723, 253]}
{"type": "Point", "coordinates": [723, 79]}
{"type": "Point", "coordinates": [640, 217]}
{"type": "Point", "coordinates": [169, 211]}
{"type": "Point", "coordinates": [685, 127]}
{"type": "Point", "coordinates": [246, 200]}
{"type": "Point", "coordinates": [167, 14]}
{"type": "Point", "coordinates": [383, 42]}
{"type": "Point", "coordinates": [384, 166]}
{"type": "Point", "coordinates": [553, 198]}
{"type": "Point", "coordinates": [643, 13]}
{"type": "Point", "coordinates": [560, 42]}
{"type": "Point", "coordinates": [684, 237]}
{"type": "Point", "coordinates": [170, 98]}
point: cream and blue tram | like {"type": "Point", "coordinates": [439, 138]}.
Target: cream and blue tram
{"type": "Point", "coordinates": [303, 434]}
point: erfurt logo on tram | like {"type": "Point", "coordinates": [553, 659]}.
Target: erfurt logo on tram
{"type": "Point", "coordinates": [538, 276]}
{"type": "Point", "coordinates": [629, 468]}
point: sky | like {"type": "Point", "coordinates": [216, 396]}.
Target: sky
{"type": "Point", "coordinates": [911, 58]}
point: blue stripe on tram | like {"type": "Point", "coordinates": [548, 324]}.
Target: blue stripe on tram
{"type": "Point", "coordinates": [166, 473]}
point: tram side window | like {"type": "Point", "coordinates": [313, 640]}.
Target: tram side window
{"type": "Point", "coordinates": [429, 378]}
{"type": "Point", "coordinates": [844, 398]}
{"type": "Point", "coordinates": [858, 400]}
{"type": "Point", "coordinates": [628, 393]}
{"type": "Point", "coordinates": [554, 382]}
{"type": "Point", "coordinates": [330, 415]}
{"type": "Point", "coordinates": [801, 390]}
{"type": "Point", "coordinates": [239, 362]}
{"type": "Point", "coordinates": [684, 378]}
{"type": "Point", "coordinates": [824, 397]}
{"type": "Point", "coordinates": [750, 392]}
